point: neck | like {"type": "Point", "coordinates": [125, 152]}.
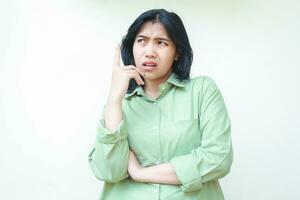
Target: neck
{"type": "Point", "coordinates": [152, 86]}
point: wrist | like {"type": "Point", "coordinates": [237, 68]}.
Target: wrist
{"type": "Point", "coordinates": [139, 174]}
{"type": "Point", "coordinates": [116, 94]}
{"type": "Point", "coordinates": [115, 98]}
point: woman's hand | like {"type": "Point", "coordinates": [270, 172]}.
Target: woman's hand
{"type": "Point", "coordinates": [134, 167]}
{"type": "Point", "coordinates": [121, 76]}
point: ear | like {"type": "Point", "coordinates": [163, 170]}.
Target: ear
{"type": "Point", "coordinates": [177, 55]}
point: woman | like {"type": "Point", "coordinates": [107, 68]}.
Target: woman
{"type": "Point", "coordinates": [162, 135]}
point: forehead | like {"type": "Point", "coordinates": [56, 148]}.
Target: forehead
{"type": "Point", "coordinates": [153, 29]}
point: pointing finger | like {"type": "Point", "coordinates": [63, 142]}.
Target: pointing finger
{"type": "Point", "coordinates": [117, 56]}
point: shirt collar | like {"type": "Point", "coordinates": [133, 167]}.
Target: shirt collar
{"type": "Point", "coordinates": [173, 80]}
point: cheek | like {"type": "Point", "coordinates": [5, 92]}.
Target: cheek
{"type": "Point", "coordinates": [169, 57]}
{"type": "Point", "coordinates": [136, 53]}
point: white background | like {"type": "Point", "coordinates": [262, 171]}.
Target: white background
{"type": "Point", "coordinates": [55, 67]}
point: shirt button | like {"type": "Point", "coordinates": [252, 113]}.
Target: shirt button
{"type": "Point", "coordinates": [154, 127]}
{"type": "Point", "coordinates": [155, 191]}
{"type": "Point", "coordinates": [163, 87]}
{"type": "Point", "coordinates": [155, 102]}
{"type": "Point", "coordinates": [157, 162]}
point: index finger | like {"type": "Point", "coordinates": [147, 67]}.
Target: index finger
{"type": "Point", "coordinates": [117, 56]}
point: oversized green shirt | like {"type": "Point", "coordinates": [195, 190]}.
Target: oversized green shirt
{"type": "Point", "coordinates": [187, 125]}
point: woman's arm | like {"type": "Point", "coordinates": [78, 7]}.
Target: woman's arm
{"type": "Point", "coordinates": [119, 85]}
{"type": "Point", "coordinates": [161, 173]}
{"type": "Point", "coordinates": [109, 156]}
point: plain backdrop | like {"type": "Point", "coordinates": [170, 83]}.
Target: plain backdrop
{"type": "Point", "coordinates": [55, 67]}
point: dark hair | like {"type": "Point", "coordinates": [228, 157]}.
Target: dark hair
{"type": "Point", "coordinates": [176, 32]}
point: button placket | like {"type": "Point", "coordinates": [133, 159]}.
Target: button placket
{"type": "Point", "coordinates": [155, 126]}
{"type": "Point", "coordinates": [156, 190]}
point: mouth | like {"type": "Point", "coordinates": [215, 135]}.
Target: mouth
{"type": "Point", "coordinates": [149, 66]}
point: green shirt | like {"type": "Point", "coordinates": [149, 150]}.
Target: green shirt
{"type": "Point", "coordinates": [187, 125]}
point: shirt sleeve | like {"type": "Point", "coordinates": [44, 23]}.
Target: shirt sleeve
{"type": "Point", "coordinates": [108, 158]}
{"type": "Point", "coordinates": [213, 158]}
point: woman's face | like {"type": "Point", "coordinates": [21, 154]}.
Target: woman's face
{"type": "Point", "coordinates": [154, 51]}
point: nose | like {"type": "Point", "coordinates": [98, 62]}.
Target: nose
{"type": "Point", "coordinates": [150, 51]}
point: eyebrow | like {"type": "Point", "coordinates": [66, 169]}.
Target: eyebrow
{"type": "Point", "coordinates": [159, 38]}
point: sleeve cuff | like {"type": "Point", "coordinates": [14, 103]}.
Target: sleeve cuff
{"type": "Point", "coordinates": [187, 173]}
{"type": "Point", "coordinates": [106, 136]}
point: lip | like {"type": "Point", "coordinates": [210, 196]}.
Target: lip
{"type": "Point", "coordinates": [149, 63]}
{"type": "Point", "coordinates": [149, 68]}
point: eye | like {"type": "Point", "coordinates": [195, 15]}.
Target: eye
{"type": "Point", "coordinates": [140, 40]}
{"type": "Point", "coordinates": [162, 43]}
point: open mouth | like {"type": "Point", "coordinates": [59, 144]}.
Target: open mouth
{"type": "Point", "coordinates": [149, 64]}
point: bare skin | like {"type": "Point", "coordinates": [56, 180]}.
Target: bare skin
{"type": "Point", "coordinates": [119, 85]}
